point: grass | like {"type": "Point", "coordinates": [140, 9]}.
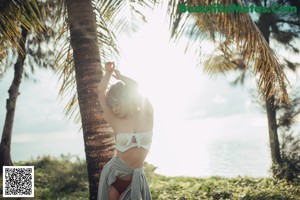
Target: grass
{"type": "Point", "coordinates": [63, 179]}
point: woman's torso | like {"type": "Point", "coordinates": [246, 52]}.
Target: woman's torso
{"type": "Point", "coordinates": [135, 156]}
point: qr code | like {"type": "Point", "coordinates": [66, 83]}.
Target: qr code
{"type": "Point", "coordinates": [18, 181]}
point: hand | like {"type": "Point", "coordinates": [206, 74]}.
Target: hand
{"type": "Point", "coordinates": [110, 67]}
{"type": "Point", "coordinates": [117, 74]}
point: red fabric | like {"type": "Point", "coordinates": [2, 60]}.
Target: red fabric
{"type": "Point", "coordinates": [121, 185]}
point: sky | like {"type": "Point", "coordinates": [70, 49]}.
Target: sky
{"type": "Point", "coordinates": [203, 125]}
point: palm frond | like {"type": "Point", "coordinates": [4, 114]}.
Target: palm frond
{"type": "Point", "coordinates": [126, 16]}
{"type": "Point", "coordinates": [222, 60]}
{"type": "Point", "coordinates": [238, 29]}
{"type": "Point", "coordinates": [40, 49]}
{"type": "Point", "coordinates": [112, 18]}
{"type": "Point", "coordinates": [66, 73]}
{"type": "Point", "coordinates": [106, 37]}
{"type": "Point", "coordinates": [15, 14]}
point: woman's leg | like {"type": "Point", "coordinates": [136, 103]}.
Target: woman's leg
{"type": "Point", "coordinates": [113, 193]}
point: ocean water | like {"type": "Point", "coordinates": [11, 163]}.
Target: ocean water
{"type": "Point", "coordinates": [216, 149]}
{"type": "Point", "coordinates": [182, 149]}
{"type": "Point", "coordinates": [219, 140]}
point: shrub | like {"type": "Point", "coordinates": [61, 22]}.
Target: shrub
{"type": "Point", "coordinates": [289, 169]}
{"type": "Point", "coordinates": [59, 177]}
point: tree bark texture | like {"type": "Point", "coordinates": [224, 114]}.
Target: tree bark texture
{"type": "Point", "coordinates": [5, 146]}
{"type": "Point", "coordinates": [98, 140]}
{"type": "Point", "coordinates": [264, 24]}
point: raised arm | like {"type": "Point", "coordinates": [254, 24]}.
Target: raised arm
{"type": "Point", "coordinates": [109, 68]}
{"type": "Point", "coordinates": [128, 81]}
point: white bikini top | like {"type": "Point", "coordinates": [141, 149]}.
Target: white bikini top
{"type": "Point", "coordinates": [125, 141]}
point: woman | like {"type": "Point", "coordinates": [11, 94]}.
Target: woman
{"type": "Point", "coordinates": [131, 118]}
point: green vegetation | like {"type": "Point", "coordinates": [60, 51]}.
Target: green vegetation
{"type": "Point", "coordinates": [66, 178]}
{"type": "Point", "coordinates": [240, 188]}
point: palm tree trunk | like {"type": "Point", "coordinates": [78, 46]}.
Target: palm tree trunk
{"type": "Point", "coordinates": [98, 142]}
{"type": "Point", "coordinates": [273, 135]}
{"type": "Point", "coordinates": [264, 24]}
{"type": "Point", "coordinates": [5, 157]}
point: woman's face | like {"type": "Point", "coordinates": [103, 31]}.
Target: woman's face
{"type": "Point", "coordinates": [118, 108]}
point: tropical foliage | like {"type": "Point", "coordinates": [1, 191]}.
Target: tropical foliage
{"type": "Point", "coordinates": [243, 44]}
{"type": "Point", "coordinates": [290, 153]}
{"type": "Point", "coordinates": [113, 19]}
{"type": "Point", "coordinates": [14, 14]}
{"type": "Point", "coordinates": [239, 41]}
{"type": "Point", "coordinates": [27, 24]}
{"type": "Point", "coordinates": [248, 45]}
{"type": "Point", "coordinates": [82, 64]}
{"type": "Point", "coordinates": [66, 178]}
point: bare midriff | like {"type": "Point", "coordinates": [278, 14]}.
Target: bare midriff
{"type": "Point", "coordinates": [133, 158]}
